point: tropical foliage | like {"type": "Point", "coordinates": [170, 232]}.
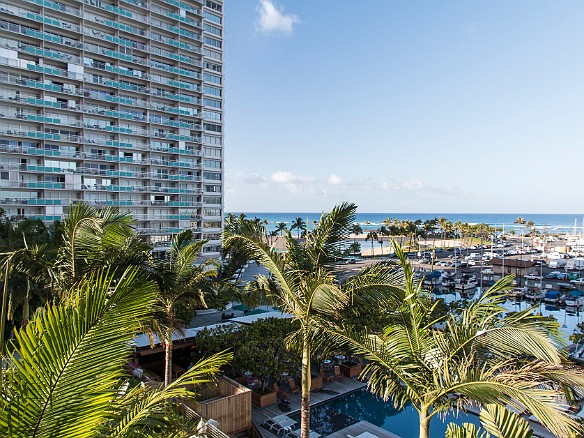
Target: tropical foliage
{"type": "Point", "coordinates": [302, 283]}
{"type": "Point", "coordinates": [66, 371]}
{"type": "Point", "coordinates": [496, 421]}
{"type": "Point", "coordinates": [258, 348]}
{"type": "Point", "coordinates": [483, 354]}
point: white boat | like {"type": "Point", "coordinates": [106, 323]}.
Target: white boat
{"type": "Point", "coordinates": [448, 282]}
{"type": "Point", "coordinates": [517, 292]}
{"type": "Point", "coordinates": [575, 299]}
{"type": "Point", "coordinates": [534, 294]}
{"type": "Point", "coordinates": [464, 284]}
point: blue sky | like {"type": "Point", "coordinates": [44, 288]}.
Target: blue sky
{"type": "Point", "coordinates": [404, 106]}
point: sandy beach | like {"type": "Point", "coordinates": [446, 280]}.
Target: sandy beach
{"type": "Point", "coordinates": [387, 249]}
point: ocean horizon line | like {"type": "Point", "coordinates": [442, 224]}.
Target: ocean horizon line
{"type": "Point", "coordinates": [408, 213]}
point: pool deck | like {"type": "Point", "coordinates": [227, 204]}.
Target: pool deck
{"type": "Point", "coordinates": [362, 427]}
{"type": "Point", "coordinates": [334, 389]}
{"type": "Point", "coordinates": [328, 391]}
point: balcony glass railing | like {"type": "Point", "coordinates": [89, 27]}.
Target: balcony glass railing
{"type": "Point", "coordinates": [56, 6]}
{"type": "Point", "coordinates": [38, 18]}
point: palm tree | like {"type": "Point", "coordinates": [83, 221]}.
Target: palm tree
{"type": "Point", "coordinates": [383, 231]}
{"type": "Point", "coordinates": [280, 227]}
{"type": "Point", "coordinates": [520, 221]}
{"type": "Point", "coordinates": [94, 238]}
{"type": "Point", "coordinates": [443, 222]}
{"type": "Point", "coordinates": [495, 420]}
{"type": "Point", "coordinates": [66, 369]}
{"type": "Point", "coordinates": [483, 355]}
{"type": "Point", "coordinates": [302, 285]}
{"type": "Point", "coordinates": [180, 281]}
{"type": "Point", "coordinates": [355, 231]}
{"type": "Point", "coordinates": [371, 235]}
{"type": "Point", "coordinates": [299, 225]}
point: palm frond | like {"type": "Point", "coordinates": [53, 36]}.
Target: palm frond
{"type": "Point", "coordinates": [147, 410]}
{"type": "Point", "coordinates": [466, 430]}
{"type": "Point", "coordinates": [502, 423]}
{"type": "Point", "coordinates": [329, 233]}
{"type": "Point", "coordinates": [66, 363]}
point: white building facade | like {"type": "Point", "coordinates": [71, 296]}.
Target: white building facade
{"type": "Point", "coordinates": [114, 103]}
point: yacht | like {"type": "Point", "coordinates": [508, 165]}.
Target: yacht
{"type": "Point", "coordinates": [467, 282]}
{"type": "Point", "coordinates": [517, 293]}
{"type": "Point", "coordinates": [575, 299]}
{"type": "Point", "coordinates": [534, 294]}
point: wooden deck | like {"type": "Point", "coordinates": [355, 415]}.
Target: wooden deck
{"type": "Point", "coordinates": [334, 389]}
{"type": "Point", "coordinates": [328, 391]}
{"type": "Point", "coordinates": [361, 428]}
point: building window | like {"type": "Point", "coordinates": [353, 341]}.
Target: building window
{"type": "Point", "coordinates": [208, 77]}
{"type": "Point", "coordinates": [212, 176]}
{"type": "Point", "coordinates": [207, 89]}
{"type": "Point", "coordinates": [212, 5]}
{"type": "Point", "coordinates": [211, 17]}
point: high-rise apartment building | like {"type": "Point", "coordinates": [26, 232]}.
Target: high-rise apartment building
{"type": "Point", "coordinates": [114, 103]}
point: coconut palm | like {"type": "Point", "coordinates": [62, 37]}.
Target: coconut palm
{"type": "Point", "coordinates": [302, 284]}
{"type": "Point", "coordinates": [483, 355]}
{"type": "Point", "coordinates": [446, 227]}
{"type": "Point", "coordinates": [383, 231]}
{"type": "Point", "coordinates": [371, 235]}
{"type": "Point", "coordinates": [66, 373]}
{"type": "Point", "coordinates": [496, 422]}
{"type": "Point", "coordinates": [94, 238]}
{"type": "Point", "coordinates": [355, 231]}
{"type": "Point", "coordinates": [280, 227]}
{"type": "Point", "coordinates": [299, 225]}
{"type": "Point", "coordinates": [180, 280]}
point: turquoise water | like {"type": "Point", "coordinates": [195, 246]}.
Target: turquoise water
{"type": "Point", "coordinates": [552, 223]}
{"type": "Point", "coordinates": [361, 405]}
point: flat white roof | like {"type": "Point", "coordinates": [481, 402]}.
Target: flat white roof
{"type": "Point", "coordinates": [249, 319]}
{"type": "Point", "coordinates": [143, 340]}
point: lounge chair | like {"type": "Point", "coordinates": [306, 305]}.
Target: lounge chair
{"type": "Point", "coordinates": [293, 387]}
{"type": "Point", "coordinates": [338, 375]}
{"type": "Point", "coordinates": [279, 424]}
{"type": "Point", "coordinates": [273, 424]}
{"type": "Point", "coordinates": [324, 376]}
{"type": "Point", "coordinates": [280, 393]}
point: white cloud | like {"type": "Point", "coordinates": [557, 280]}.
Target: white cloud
{"type": "Point", "coordinates": [334, 180]}
{"type": "Point", "coordinates": [274, 21]}
{"type": "Point", "coordinates": [409, 185]}
{"type": "Point", "coordinates": [281, 177]}
{"type": "Point", "coordinates": [254, 178]}
{"type": "Point", "coordinates": [294, 183]}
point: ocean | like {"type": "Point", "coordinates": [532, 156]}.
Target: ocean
{"type": "Point", "coordinates": [552, 223]}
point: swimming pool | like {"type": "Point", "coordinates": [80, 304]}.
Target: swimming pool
{"type": "Point", "coordinates": [360, 405]}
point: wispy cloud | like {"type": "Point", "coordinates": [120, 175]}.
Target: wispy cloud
{"type": "Point", "coordinates": [281, 177]}
{"type": "Point", "coordinates": [334, 180]}
{"type": "Point", "coordinates": [410, 185]}
{"type": "Point", "coordinates": [273, 20]}
{"type": "Point", "coordinates": [254, 178]}
{"type": "Point", "coordinates": [294, 183]}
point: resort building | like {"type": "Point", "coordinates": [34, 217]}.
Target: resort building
{"type": "Point", "coordinates": [114, 103]}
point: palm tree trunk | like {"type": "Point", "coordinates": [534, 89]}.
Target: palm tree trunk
{"type": "Point", "coordinates": [424, 424]}
{"type": "Point", "coordinates": [306, 384]}
{"type": "Point", "coordinates": [3, 318]}
{"type": "Point", "coordinates": [26, 304]}
{"type": "Point", "coordinates": [168, 360]}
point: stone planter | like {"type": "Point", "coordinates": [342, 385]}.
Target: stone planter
{"type": "Point", "coordinates": [263, 400]}
{"type": "Point", "coordinates": [350, 371]}
{"type": "Point", "coordinates": [315, 383]}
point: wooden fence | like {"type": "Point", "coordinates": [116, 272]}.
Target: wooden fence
{"type": "Point", "coordinates": [228, 402]}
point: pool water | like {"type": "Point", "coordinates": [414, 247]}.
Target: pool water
{"type": "Point", "coordinates": [333, 415]}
